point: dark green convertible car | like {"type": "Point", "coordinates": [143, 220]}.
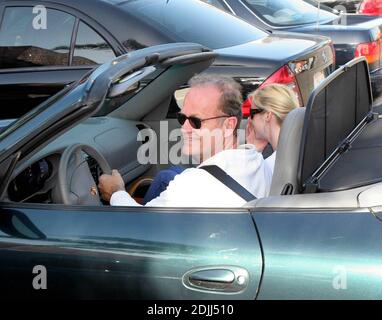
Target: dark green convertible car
{"type": "Point", "coordinates": [317, 236]}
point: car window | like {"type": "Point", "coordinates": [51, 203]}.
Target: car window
{"type": "Point", "coordinates": [287, 13]}
{"type": "Point", "coordinates": [90, 47]}
{"type": "Point", "coordinates": [29, 38]}
{"type": "Point", "coordinates": [188, 21]}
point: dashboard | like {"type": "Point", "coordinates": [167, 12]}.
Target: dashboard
{"type": "Point", "coordinates": [35, 179]}
{"type": "Point", "coordinates": [30, 181]}
{"type": "Point", "coordinates": [36, 183]}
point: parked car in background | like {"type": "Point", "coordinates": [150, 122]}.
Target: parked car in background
{"type": "Point", "coordinates": [37, 62]}
{"type": "Point", "coordinates": [322, 6]}
{"type": "Point", "coordinates": [352, 35]}
{"type": "Point", "coordinates": [371, 7]}
{"type": "Point", "coordinates": [318, 233]}
{"type": "Point", "coordinates": [350, 6]}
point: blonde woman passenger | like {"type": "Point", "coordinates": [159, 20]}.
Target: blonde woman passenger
{"type": "Point", "coordinates": [269, 108]}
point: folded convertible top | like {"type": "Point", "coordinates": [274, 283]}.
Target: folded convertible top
{"type": "Point", "coordinates": [341, 133]}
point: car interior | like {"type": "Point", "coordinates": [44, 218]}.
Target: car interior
{"type": "Point", "coordinates": [320, 161]}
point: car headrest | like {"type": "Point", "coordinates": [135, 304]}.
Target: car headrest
{"type": "Point", "coordinates": [287, 156]}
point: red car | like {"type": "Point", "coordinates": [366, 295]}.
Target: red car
{"type": "Point", "coordinates": [371, 7]}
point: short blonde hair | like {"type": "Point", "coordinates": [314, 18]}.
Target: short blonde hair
{"type": "Point", "coordinates": [276, 98]}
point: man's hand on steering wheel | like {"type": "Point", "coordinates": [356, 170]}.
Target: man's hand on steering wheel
{"type": "Point", "coordinates": [108, 184]}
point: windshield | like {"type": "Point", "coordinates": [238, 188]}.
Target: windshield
{"type": "Point", "coordinates": [194, 21]}
{"type": "Point", "coordinates": [288, 12]}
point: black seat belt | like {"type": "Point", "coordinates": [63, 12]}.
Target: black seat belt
{"type": "Point", "coordinates": [230, 182]}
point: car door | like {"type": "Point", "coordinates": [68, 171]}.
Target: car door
{"type": "Point", "coordinates": [129, 253]}
{"type": "Point", "coordinates": [321, 252]}
{"type": "Point", "coordinates": [43, 49]}
{"type": "Point", "coordinates": [324, 239]}
{"type": "Point", "coordinates": [51, 250]}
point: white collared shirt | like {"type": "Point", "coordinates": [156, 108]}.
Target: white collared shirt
{"type": "Point", "coordinates": [195, 187]}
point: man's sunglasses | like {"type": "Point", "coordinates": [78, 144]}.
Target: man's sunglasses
{"type": "Point", "coordinates": [253, 112]}
{"type": "Point", "coordinates": [195, 122]}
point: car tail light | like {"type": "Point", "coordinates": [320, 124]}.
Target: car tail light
{"type": "Point", "coordinates": [283, 76]}
{"type": "Point", "coordinates": [371, 51]}
{"type": "Point", "coordinates": [245, 107]}
{"type": "Point", "coordinates": [371, 7]}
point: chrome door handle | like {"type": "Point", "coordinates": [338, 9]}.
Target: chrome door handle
{"type": "Point", "coordinates": [219, 275]}
{"type": "Point", "coordinates": [227, 279]}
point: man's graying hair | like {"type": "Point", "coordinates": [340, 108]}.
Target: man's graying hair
{"type": "Point", "coordinates": [231, 98]}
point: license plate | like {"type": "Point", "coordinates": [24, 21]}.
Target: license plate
{"type": "Point", "coordinates": [318, 78]}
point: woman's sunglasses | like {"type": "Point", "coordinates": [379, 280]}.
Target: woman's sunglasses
{"type": "Point", "coordinates": [253, 112]}
{"type": "Point", "coordinates": [195, 122]}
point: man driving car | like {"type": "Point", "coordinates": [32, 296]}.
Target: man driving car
{"type": "Point", "coordinates": [228, 176]}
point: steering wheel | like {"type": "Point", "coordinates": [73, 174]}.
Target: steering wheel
{"type": "Point", "coordinates": [76, 185]}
